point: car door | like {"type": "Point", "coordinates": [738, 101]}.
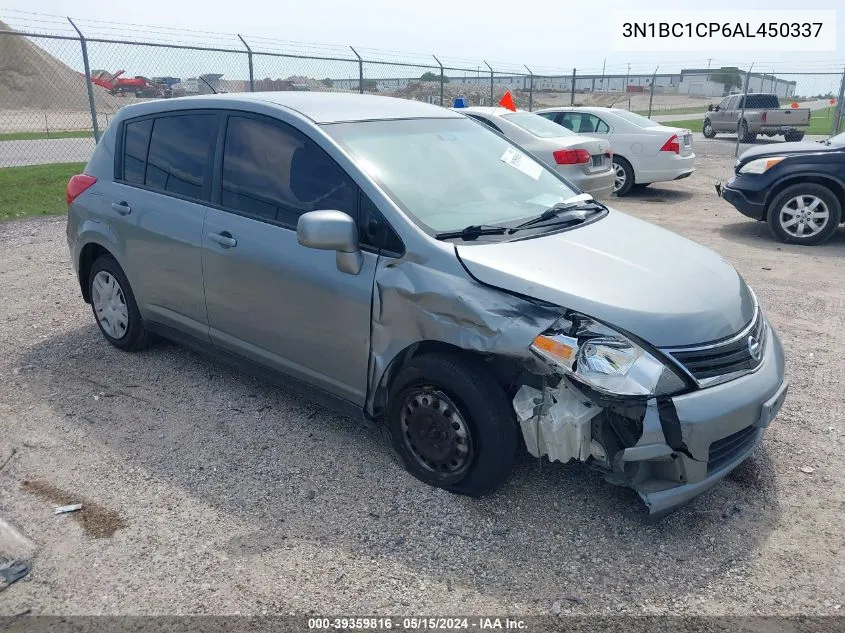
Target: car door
{"type": "Point", "coordinates": [723, 115]}
{"type": "Point", "coordinates": [269, 298]}
{"type": "Point", "coordinates": [163, 183]}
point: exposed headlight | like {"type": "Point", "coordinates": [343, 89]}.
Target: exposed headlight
{"type": "Point", "coordinates": [604, 359]}
{"type": "Point", "coordinates": [760, 165]}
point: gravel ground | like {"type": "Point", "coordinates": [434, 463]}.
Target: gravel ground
{"type": "Point", "coordinates": [209, 492]}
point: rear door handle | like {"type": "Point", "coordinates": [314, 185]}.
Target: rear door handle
{"type": "Point", "coordinates": [122, 208]}
{"type": "Point", "coordinates": [225, 239]}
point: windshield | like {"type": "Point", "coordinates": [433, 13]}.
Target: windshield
{"type": "Point", "coordinates": [447, 174]}
{"type": "Point", "coordinates": [838, 140]}
{"type": "Point", "coordinates": [636, 119]}
{"type": "Point", "coordinates": [537, 125]}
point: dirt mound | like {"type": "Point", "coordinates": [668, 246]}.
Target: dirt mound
{"type": "Point", "coordinates": [31, 78]}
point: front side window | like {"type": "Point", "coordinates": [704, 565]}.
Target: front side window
{"type": "Point", "coordinates": [180, 151]}
{"type": "Point", "coordinates": [446, 174]}
{"type": "Point", "coordinates": [274, 172]}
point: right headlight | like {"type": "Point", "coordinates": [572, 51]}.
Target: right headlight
{"type": "Point", "coordinates": [604, 359]}
{"type": "Point", "coordinates": [760, 165]}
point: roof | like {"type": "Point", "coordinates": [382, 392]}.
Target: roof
{"type": "Point", "coordinates": [320, 107]}
{"type": "Point", "coordinates": [488, 110]}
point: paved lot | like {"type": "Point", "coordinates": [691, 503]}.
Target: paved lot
{"type": "Point", "coordinates": [210, 492]}
{"type": "Point", "coordinates": [41, 152]}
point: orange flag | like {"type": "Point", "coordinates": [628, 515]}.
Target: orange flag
{"type": "Point", "coordinates": [507, 101]}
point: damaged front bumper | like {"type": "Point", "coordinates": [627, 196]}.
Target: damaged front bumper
{"type": "Point", "coordinates": [677, 447]}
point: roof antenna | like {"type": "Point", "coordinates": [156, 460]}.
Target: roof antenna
{"type": "Point", "coordinates": [202, 79]}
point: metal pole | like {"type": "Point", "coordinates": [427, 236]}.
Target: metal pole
{"type": "Point", "coordinates": [603, 64]}
{"type": "Point", "coordinates": [530, 88]}
{"type": "Point", "coordinates": [742, 112]}
{"type": "Point", "coordinates": [572, 89]}
{"type": "Point", "coordinates": [249, 59]}
{"type": "Point", "coordinates": [491, 81]}
{"type": "Point", "coordinates": [88, 83]}
{"type": "Point", "coordinates": [840, 108]}
{"type": "Point", "coordinates": [442, 78]}
{"type": "Point", "coordinates": [651, 92]}
{"type": "Point", "coordinates": [360, 71]}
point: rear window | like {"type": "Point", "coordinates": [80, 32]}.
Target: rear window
{"type": "Point", "coordinates": [634, 118]}
{"type": "Point", "coordinates": [761, 102]}
{"type": "Point", "coordinates": [537, 125]}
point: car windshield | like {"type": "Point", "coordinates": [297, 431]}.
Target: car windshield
{"type": "Point", "coordinates": [838, 140]}
{"type": "Point", "coordinates": [447, 174]}
{"type": "Point", "coordinates": [537, 125]}
{"type": "Point", "coordinates": [634, 118]}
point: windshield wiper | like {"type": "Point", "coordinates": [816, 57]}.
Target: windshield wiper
{"type": "Point", "coordinates": [472, 232]}
{"type": "Point", "coordinates": [564, 212]}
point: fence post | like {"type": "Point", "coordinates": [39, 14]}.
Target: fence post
{"type": "Point", "coordinates": [840, 108]}
{"type": "Point", "coordinates": [249, 58]}
{"type": "Point", "coordinates": [651, 92]}
{"type": "Point", "coordinates": [91, 105]}
{"type": "Point", "coordinates": [442, 78]}
{"type": "Point", "coordinates": [530, 89]}
{"type": "Point", "coordinates": [572, 89]}
{"type": "Point", "coordinates": [360, 72]}
{"type": "Point", "coordinates": [742, 112]}
{"type": "Point", "coordinates": [492, 103]}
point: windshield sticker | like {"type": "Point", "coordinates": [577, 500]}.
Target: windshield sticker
{"type": "Point", "coordinates": [522, 163]}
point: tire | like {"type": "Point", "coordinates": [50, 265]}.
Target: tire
{"type": "Point", "coordinates": [114, 307]}
{"type": "Point", "coordinates": [744, 135]}
{"type": "Point", "coordinates": [793, 136]}
{"type": "Point", "coordinates": [476, 437]}
{"type": "Point", "coordinates": [798, 198]}
{"type": "Point", "coordinates": [707, 129]}
{"type": "Point", "coordinates": [624, 176]}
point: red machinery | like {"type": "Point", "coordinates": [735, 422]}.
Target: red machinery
{"type": "Point", "coordinates": [139, 86]}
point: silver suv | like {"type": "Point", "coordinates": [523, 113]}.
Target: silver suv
{"type": "Point", "coordinates": [401, 262]}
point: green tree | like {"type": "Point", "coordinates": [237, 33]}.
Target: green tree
{"type": "Point", "coordinates": [729, 76]}
{"type": "Point", "coordinates": [430, 76]}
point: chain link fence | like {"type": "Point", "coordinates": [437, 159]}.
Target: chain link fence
{"type": "Point", "coordinates": [59, 90]}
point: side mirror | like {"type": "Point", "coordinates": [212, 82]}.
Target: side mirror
{"type": "Point", "coordinates": [710, 108]}
{"type": "Point", "coordinates": [332, 231]}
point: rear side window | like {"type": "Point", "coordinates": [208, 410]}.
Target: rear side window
{"type": "Point", "coordinates": [274, 172]}
{"type": "Point", "coordinates": [180, 153]}
{"type": "Point", "coordinates": [136, 140]}
{"type": "Point", "coordinates": [486, 122]}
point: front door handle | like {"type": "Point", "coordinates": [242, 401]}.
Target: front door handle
{"type": "Point", "coordinates": [122, 207]}
{"type": "Point", "coordinates": [225, 239]}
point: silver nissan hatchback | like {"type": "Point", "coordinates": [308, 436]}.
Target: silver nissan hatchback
{"type": "Point", "coordinates": [398, 261]}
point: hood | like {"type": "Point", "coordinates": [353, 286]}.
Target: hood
{"type": "Point", "coordinates": [661, 287]}
{"type": "Point", "coordinates": [779, 149]}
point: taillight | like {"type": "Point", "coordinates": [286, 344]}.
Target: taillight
{"type": "Point", "coordinates": [672, 145]}
{"type": "Point", "coordinates": [76, 185]}
{"type": "Point", "coordinates": [763, 116]}
{"type": "Point", "coordinates": [571, 156]}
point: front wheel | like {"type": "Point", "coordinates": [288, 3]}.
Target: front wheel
{"type": "Point", "coordinates": [708, 130]}
{"type": "Point", "coordinates": [805, 213]}
{"type": "Point", "coordinates": [624, 176]}
{"type": "Point", "coordinates": [452, 424]}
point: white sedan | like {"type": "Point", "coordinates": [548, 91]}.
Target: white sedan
{"type": "Point", "coordinates": [643, 151]}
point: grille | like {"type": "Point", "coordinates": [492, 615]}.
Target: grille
{"type": "Point", "coordinates": [724, 451]}
{"type": "Point", "coordinates": [732, 356]}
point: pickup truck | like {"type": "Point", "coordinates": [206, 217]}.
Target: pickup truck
{"type": "Point", "coordinates": [763, 115]}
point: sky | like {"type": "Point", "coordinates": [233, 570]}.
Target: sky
{"type": "Point", "coordinates": [544, 34]}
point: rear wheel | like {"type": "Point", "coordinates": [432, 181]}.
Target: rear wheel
{"type": "Point", "coordinates": [805, 213]}
{"type": "Point", "coordinates": [114, 306]}
{"type": "Point", "coordinates": [793, 136]}
{"type": "Point", "coordinates": [624, 176]}
{"type": "Point", "coordinates": [708, 130]}
{"type": "Point", "coordinates": [744, 135]}
{"type": "Point", "coordinates": [452, 424]}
